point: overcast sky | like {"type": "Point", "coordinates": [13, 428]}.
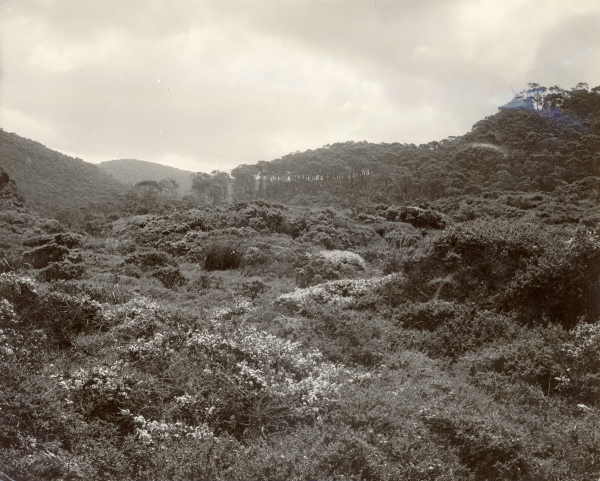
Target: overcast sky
{"type": "Point", "coordinates": [203, 85]}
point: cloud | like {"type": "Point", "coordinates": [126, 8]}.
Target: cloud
{"type": "Point", "coordinates": [209, 85]}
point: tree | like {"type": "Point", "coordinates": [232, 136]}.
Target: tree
{"type": "Point", "coordinates": [536, 92]}
{"type": "Point", "coordinates": [212, 188]}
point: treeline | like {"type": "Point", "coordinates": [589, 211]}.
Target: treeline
{"type": "Point", "coordinates": [542, 149]}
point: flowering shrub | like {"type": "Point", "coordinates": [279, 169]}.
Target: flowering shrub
{"type": "Point", "coordinates": [237, 307]}
{"type": "Point", "coordinates": [139, 316]}
{"type": "Point", "coordinates": [7, 313]}
{"type": "Point", "coordinates": [326, 266]}
{"type": "Point", "coordinates": [153, 348]}
{"type": "Point", "coordinates": [341, 293]}
{"type": "Point", "coordinates": [20, 290]}
{"type": "Point", "coordinates": [64, 314]}
{"type": "Point", "coordinates": [264, 369]}
{"type": "Point", "coordinates": [582, 376]}
{"type": "Point", "coordinates": [99, 391]}
{"type": "Point", "coordinates": [8, 338]}
{"type": "Point", "coordinates": [401, 237]}
{"type": "Point", "coordinates": [344, 257]}
{"type": "Point", "coordinates": [154, 431]}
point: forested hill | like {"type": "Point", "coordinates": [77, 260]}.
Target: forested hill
{"type": "Point", "coordinates": [50, 181]}
{"type": "Point", "coordinates": [555, 143]}
{"type": "Point", "coordinates": [132, 171]}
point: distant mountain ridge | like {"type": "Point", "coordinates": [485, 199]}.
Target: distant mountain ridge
{"type": "Point", "coordinates": [132, 171]}
{"type": "Point", "coordinates": [51, 182]}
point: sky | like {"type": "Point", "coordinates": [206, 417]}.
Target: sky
{"type": "Point", "coordinates": [211, 84]}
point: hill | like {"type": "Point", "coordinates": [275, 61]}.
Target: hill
{"type": "Point", "coordinates": [51, 182]}
{"type": "Point", "coordinates": [510, 150]}
{"type": "Point", "coordinates": [526, 150]}
{"type": "Point", "coordinates": [132, 171]}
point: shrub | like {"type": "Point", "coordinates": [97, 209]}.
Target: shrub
{"type": "Point", "coordinates": [341, 293]}
{"type": "Point", "coordinates": [66, 239]}
{"type": "Point", "coordinates": [255, 256]}
{"type": "Point", "coordinates": [138, 317]}
{"type": "Point", "coordinates": [582, 376]}
{"type": "Point", "coordinates": [509, 266]}
{"type": "Point", "coordinates": [344, 258]}
{"type": "Point", "coordinates": [401, 237]}
{"type": "Point", "coordinates": [561, 285]}
{"type": "Point", "coordinates": [416, 216]}
{"type": "Point", "coordinates": [348, 337]}
{"type": "Point", "coordinates": [467, 331]}
{"type": "Point", "coordinates": [170, 277]}
{"type": "Point", "coordinates": [10, 261]}
{"type": "Point", "coordinates": [149, 259]}
{"type": "Point", "coordinates": [488, 449]}
{"type": "Point", "coordinates": [535, 358]}
{"type": "Point", "coordinates": [43, 255]}
{"type": "Point", "coordinates": [257, 379]}
{"type": "Point", "coordinates": [311, 270]}
{"type": "Point", "coordinates": [61, 271]}
{"type": "Point", "coordinates": [64, 316]}
{"type": "Point", "coordinates": [327, 266]}
{"type": "Point", "coordinates": [222, 256]}
{"type": "Point", "coordinates": [254, 287]}
{"type": "Point", "coordinates": [21, 291]}
{"type": "Point", "coordinates": [204, 282]}
{"type": "Point", "coordinates": [101, 391]}
{"type": "Point", "coordinates": [7, 313]}
{"type": "Point", "coordinates": [427, 315]}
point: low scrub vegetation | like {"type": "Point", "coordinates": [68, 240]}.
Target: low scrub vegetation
{"type": "Point", "coordinates": [463, 352]}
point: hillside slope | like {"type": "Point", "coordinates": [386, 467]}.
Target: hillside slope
{"type": "Point", "coordinates": [512, 150]}
{"type": "Point", "coordinates": [132, 171]}
{"type": "Point", "coordinates": [51, 182]}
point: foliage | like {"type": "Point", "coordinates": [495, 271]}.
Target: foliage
{"type": "Point", "coordinates": [171, 277]}
{"type": "Point", "coordinates": [58, 181]}
{"type": "Point", "coordinates": [222, 256]}
{"type": "Point", "coordinates": [149, 259]}
{"type": "Point", "coordinates": [327, 265]}
{"type": "Point", "coordinates": [64, 270]}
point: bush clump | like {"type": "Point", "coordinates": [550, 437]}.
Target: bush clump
{"type": "Point", "coordinates": [43, 255]}
{"type": "Point", "coordinates": [489, 450]}
{"type": "Point", "coordinates": [170, 277]}
{"type": "Point", "coordinates": [149, 259]}
{"type": "Point", "coordinates": [21, 291]}
{"type": "Point", "coordinates": [222, 256]}
{"type": "Point", "coordinates": [327, 266]}
{"type": "Point", "coordinates": [416, 216]}
{"type": "Point", "coordinates": [70, 240]}
{"type": "Point", "coordinates": [61, 271]}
